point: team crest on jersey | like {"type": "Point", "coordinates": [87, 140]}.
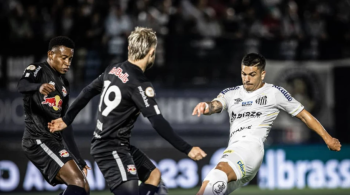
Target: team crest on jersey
{"type": "Point", "coordinates": [64, 91]}
{"type": "Point", "coordinates": [238, 100]}
{"type": "Point", "coordinates": [219, 188]}
{"type": "Point", "coordinates": [149, 92]}
{"type": "Point", "coordinates": [132, 169]}
{"type": "Point", "coordinates": [261, 100]}
{"type": "Point", "coordinates": [31, 67]}
{"type": "Point", "coordinates": [64, 153]}
{"type": "Point", "coordinates": [54, 102]}
{"type": "Point", "coordinates": [119, 73]}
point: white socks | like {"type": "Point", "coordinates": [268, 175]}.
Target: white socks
{"type": "Point", "coordinates": [217, 183]}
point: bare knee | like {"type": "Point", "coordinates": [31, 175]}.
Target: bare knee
{"type": "Point", "coordinates": [70, 174]}
{"type": "Point", "coordinates": [225, 167]}
{"type": "Point", "coordinates": [154, 178]}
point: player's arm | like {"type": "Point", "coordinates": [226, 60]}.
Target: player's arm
{"type": "Point", "coordinates": [286, 102]}
{"type": "Point", "coordinates": [90, 91]}
{"type": "Point", "coordinates": [68, 138]}
{"type": "Point", "coordinates": [208, 108]}
{"type": "Point", "coordinates": [144, 98]}
{"type": "Point", "coordinates": [164, 129]}
{"type": "Point", "coordinates": [315, 125]}
{"type": "Point", "coordinates": [30, 82]}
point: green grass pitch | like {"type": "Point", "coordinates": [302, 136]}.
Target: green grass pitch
{"type": "Point", "coordinates": [248, 190]}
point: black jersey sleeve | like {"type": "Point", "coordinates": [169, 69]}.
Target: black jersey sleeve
{"type": "Point", "coordinates": [164, 129]}
{"type": "Point", "coordinates": [144, 98]}
{"type": "Point", "coordinates": [90, 91]}
{"type": "Point", "coordinates": [30, 80]}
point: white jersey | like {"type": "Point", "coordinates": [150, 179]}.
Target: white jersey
{"type": "Point", "coordinates": [254, 112]}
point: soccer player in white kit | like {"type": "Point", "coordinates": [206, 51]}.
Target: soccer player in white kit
{"type": "Point", "coordinates": [252, 108]}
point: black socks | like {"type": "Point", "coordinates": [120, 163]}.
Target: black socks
{"type": "Point", "coordinates": [74, 190]}
{"type": "Point", "coordinates": [146, 189]}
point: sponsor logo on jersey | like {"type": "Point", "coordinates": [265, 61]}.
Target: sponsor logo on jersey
{"type": "Point", "coordinates": [238, 100]}
{"type": "Point", "coordinates": [249, 103]}
{"type": "Point", "coordinates": [119, 73]}
{"type": "Point", "coordinates": [219, 188]}
{"type": "Point", "coordinates": [229, 89]}
{"type": "Point", "coordinates": [64, 153]}
{"type": "Point", "coordinates": [36, 71]}
{"type": "Point", "coordinates": [99, 125]}
{"type": "Point", "coordinates": [132, 169]}
{"type": "Point", "coordinates": [54, 102]}
{"type": "Point", "coordinates": [261, 100]}
{"type": "Point", "coordinates": [240, 129]}
{"type": "Point", "coordinates": [144, 97]}
{"type": "Point", "coordinates": [96, 135]}
{"type": "Point", "coordinates": [64, 91]}
{"type": "Point", "coordinates": [31, 67]}
{"type": "Point", "coordinates": [149, 92]}
{"type": "Point", "coordinates": [242, 168]}
{"type": "Point", "coordinates": [245, 115]}
{"type": "Point", "coordinates": [228, 151]}
{"type": "Point", "coordinates": [284, 92]}
{"type": "Point", "coordinates": [224, 156]}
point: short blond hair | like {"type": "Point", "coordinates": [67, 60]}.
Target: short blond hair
{"type": "Point", "coordinates": [140, 42]}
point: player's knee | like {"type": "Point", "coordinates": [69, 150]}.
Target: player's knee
{"type": "Point", "coordinates": [154, 178]}
{"type": "Point", "coordinates": [226, 168]}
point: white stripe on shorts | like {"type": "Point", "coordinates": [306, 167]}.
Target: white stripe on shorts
{"type": "Point", "coordinates": [120, 165]}
{"type": "Point", "coordinates": [50, 153]}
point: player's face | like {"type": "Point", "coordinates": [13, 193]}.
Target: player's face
{"type": "Point", "coordinates": [252, 77]}
{"type": "Point", "coordinates": [60, 58]}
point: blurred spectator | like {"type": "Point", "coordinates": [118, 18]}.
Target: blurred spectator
{"type": "Point", "coordinates": [193, 34]}
{"type": "Point", "coordinates": [118, 26]}
{"type": "Point", "coordinates": [19, 24]}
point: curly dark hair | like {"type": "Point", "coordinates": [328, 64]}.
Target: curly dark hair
{"type": "Point", "coordinates": [61, 40]}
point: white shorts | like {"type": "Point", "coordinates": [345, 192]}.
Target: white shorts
{"type": "Point", "coordinates": [245, 157]}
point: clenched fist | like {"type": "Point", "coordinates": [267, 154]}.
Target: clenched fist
{"type": "Point", "coordinates": [197, 153]}
{"type": "Point", "coordinates": [46, 88]}
{"type": "Point", "coordinates": [333, 144]}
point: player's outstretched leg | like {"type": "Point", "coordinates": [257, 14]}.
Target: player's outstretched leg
{"type": "Point", "coordinates": [217, 179]}
{"type": "Point", "coordinates": [71, 175]}
{"type": "Point", "coordinates": [150, 186]}
{"type": "Point", "coordinates": [127, 188]}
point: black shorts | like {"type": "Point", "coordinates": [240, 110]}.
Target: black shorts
{"type": "Point", "coordinates": [48, 155]}
{"type": "Point", "coordinates": [123, 164]}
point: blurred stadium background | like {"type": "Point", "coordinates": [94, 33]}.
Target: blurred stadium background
{"type": "Point", "coordinates": [200, 45]}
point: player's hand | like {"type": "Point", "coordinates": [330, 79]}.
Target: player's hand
{"type": "Point", "coordinates": [200, 109]}
{"type": "Point", "coordinates": [46, 88]}
{"type": "Point", "coordinates": [85, 170]}
{"type": "Point", "coordinates": [333, 144]}
{"type": "Point", "coordinates": [197, 153]}
{"type": "Point", "coordinates": [56, 125]}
